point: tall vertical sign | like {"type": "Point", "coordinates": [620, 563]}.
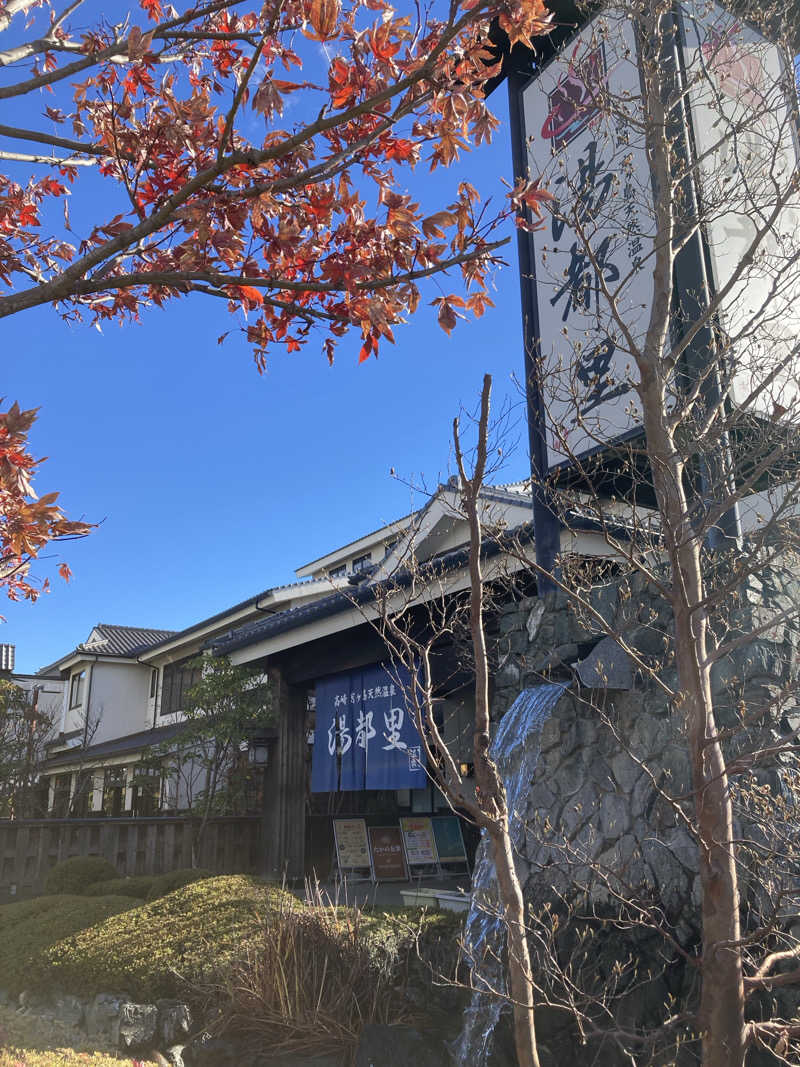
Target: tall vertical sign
{"type": "Point", "coordinates": [744, 129]}
{"type": "Point", "coordinates": [592, 259]}
{"type": "Point", "coordinates": [588, 273]}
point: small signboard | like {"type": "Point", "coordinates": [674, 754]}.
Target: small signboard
{"type": "Point", "coordinates": [449, 840]}
{"type": "Point", "coordinates": [352, 847]}
{"type": "Point", "coordinates": [419, 842]}
{"type": "Point", "coordinates": [388, 861]}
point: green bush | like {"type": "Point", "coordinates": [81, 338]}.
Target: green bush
{"type": "Point", "coordinates": [29, 928]}
{"type": "Point", "coordinates": [77, 874]}
{"type": "Point", "coordinates": [138, 887]}
{"type": "Point", "coordinates": [153, 950]}
{"type": "Point", "coordinates": [172, 880]}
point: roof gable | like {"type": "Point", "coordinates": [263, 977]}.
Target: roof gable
{"type": "Point", "coordinates": [110, 640]}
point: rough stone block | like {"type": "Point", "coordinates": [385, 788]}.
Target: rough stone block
{"type": "Point", "coordinates": [174, 1020]}
{"type": "Point", "coordinates": [103, 1013]}
{"type": "Point", "coordinates": [135, 1025]}
{"type": "Point", "coordinates": [626, 771]}
{"type": "Point", "coordinates": [68, 1009]}
{"type": "Point", "coordinates": [615, 815]}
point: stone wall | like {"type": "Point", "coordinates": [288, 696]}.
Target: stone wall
{"type": "Point", "coordinates": [608, 814]}
{"type": "Point", "coordinates": [597, 816]}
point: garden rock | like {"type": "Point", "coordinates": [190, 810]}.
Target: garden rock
{"type": "Point", "coordinates": [68, 1009]}
{"type": "Point", "coordinates": [174, 1056]}
{"type": "Point", "coordinates": [174, 1021]}
{"type": "Point", "coordinates": [135, 1026]}
{"type": "Point", "coordinates": [32, 1002]}
{"type": "Point", "coordinates": [207, 1051]}
{"type": "Point", "coordinates": [103, 1013]}
{"type": "Point", "coordinates": [395, 1046]}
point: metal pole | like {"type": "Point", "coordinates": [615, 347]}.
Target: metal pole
{"type": "Point", "coordinates": [546, 525]}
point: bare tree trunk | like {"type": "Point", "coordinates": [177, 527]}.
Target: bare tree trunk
{"type": "Point", "coordinates": [491, 791]}
{"type": "Point", "coordinates": [722, 994]}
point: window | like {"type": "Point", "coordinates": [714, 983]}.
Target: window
{"type": "Point", "coordinates": [176, 681]}
{"type": "Point", "coordinates": [79, 805]}
{"type": "Point", "coordinates": [76, 689]}
{"type": "Point", "coordinates": [338, 572]}
{"type": "Point", "coordinates": [153, 682]}
{"type": "Point", "coordinates": [146, 791]}
{"type": "Point", "coordinates": [360, 563]}
{"type": "Point", "coordinates": [61, 790]}
{"type": "Point", "coordinates": [114, 791]}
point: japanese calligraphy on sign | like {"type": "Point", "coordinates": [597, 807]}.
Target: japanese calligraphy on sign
{"type": "Point", "coordinates": [366, 737]}
{"type": "Point", "coordinates": [747, 147]}
{"type": "Point", "coordinates": [590, 154]}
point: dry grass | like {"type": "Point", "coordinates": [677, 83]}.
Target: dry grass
{"type": "Point", "coordinates": [310, 982]}
{"type": "Point", "coordinates": [28, 1041]}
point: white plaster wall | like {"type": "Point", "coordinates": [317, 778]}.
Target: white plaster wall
{"type": "Point", "coordinates": [118, 695]}
{"type": "Point", "coordinates": [51, 697]}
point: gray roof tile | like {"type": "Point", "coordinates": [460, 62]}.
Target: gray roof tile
{"type": "Point", "coordinates": [110, 640]}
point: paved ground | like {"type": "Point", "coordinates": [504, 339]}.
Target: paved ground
{"type": "Point", "coordinates": [389, 894]}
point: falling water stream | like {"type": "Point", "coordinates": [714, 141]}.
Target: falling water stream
{"type": "Point", "coordinates": [515, 750]}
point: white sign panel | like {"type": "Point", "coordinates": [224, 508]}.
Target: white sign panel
{"type": "Point", "coordinates": [595, 252]}
{"type": "Point", "coordinates": [740, 92]}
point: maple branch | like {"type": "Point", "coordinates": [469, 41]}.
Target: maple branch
{"type": "Point", "coordinates": [68, 282]}
{"type": "Point", "coordinates": [284, 305]}
{"type": "Point", "coordinates": [12, 8]}
{"type": "Point", "coordinates": [67, 161]}
{"type": "Point", "coordinates": [237, 99]}
{"type": "Point", "coordinates": [37, 137]}
{"type": "Point", "coordinates": [118, 48]}
{"type": "Point", "coordinates": [60, 19]}
{"type": "Point", "coordinates": [178, 279]}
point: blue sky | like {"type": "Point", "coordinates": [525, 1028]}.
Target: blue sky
{"type": "Point", "coordinates": [211, 482]}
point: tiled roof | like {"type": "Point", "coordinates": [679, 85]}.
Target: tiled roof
{"type": "Point", "coordinates": [116, 746]}
{"type": "Point", "coordinates": [355, 595]}
{"type": "Point", "coordinates": [170, 634]}
{"type": "Point", "coordinates": [340, 601]}
{"type": "Point", "coordinates": [109, 640]}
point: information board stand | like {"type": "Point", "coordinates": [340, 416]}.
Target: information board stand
{"type": "Point", "coordinates": [450, 845]}
{"type": "Point", "coordinates": [388, 857]}
{"type": "Point", "coordinates": [420, 846]}
{"type": "Point", "coordinates": [353, 857]}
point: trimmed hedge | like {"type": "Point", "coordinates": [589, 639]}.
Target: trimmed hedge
{"type": "Point", "coordinates": [30, 927]}
{"type": "Point", "coordinates": [172, 880]}
{"type": "Point", "coordinates": [77, 874]}
{"type": "Point", "coordinates": [137, 887]}
{"type": "Point", "coordinates": [151, 950]}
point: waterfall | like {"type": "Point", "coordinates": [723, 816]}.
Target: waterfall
{"type": "Point", "coordinates": [515, 750]}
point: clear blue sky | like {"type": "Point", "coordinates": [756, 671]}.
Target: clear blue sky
{"type": "Point", "coordinates": [213, 483]}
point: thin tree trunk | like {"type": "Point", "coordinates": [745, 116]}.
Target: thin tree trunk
{"type": "Point", "coordinates": [491, 791]}
{"type": "Point", "coordinates": [722, 994]}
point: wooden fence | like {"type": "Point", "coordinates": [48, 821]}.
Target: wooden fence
{"type": "Point", "coordinates": [30, 847]}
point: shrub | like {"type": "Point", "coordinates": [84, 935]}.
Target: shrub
{"type": "Point", "coordinates": [172, 880]}
{"type": "Point", "coordinates": [155, 949]}
{"type": "Point", "coordinates": [138, 887]}
{"type": "Point", "coordinates": [77, 874]}
{"type": "Point", "coordinates": [29, 928]}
